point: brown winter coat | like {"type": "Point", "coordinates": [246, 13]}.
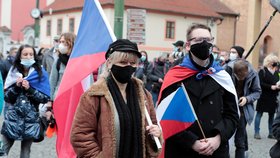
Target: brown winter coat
{"type": "Point", "coordinates": [93, 130]}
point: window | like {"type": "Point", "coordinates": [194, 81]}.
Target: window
{"type": "Point", "coordinates": [59, 26]}
{"type": "Point", "coordinates": [170, 30]}
{"type": "Point", "coordinates": [49, 27]}
{"type": "Point", "coordinates": [71, 25]}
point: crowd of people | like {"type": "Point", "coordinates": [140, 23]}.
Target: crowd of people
{"type": "Point", "coordinates": [226, 92]}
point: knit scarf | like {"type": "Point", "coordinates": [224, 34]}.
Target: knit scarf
{"type": "Point", "coordinates": [63, 58]}
{"type": "Point", "coordinates": [130, 120]}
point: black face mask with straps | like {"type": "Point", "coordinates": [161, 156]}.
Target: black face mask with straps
{"type": "Point", "coordinates": [201, 50]}
{"type": "Point", "coordinates": [122, 74]}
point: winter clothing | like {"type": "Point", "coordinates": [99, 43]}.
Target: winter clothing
{"type": "Point", "coordinates": [48, 60]}
{"type": "Point", "coordinates": [251, 91]}
{"type": "Point", "coordinates": [276, 127]}
{"type": "Point", "coordinates": [214, 105]}
{"type": "Point", "coordinates": [141, 71]}
{"type": "Point", "coordinates": [22, 117]}
{"type": "Point", "coordinates": [55, 78]}
{"type": "Point", "coordinates": [100, 135]}
{"type": "Point", "coordinates": [268, 98]}
{"type": "Point", "coordinates": [156, 70]}
{"type": "Point", "coordinates": [6, 65]}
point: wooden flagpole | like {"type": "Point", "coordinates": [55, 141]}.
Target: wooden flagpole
{"type": "Point", "coordinates": [150, 123]}
{"type": "Point", "coordinates": [199, 125]}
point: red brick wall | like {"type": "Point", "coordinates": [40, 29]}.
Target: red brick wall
{"type": "Point", "coordinates": [0, 12]}
{"type": "Point", "coordinates": [225, 33]}
{"type": "Point", "coordinates": [21, 16]}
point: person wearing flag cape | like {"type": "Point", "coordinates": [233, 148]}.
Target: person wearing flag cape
{"type": "Point", "coordinates": [26, 86]}
{"type": "Point", "coordinates": [212, 95]}
{"type": "Point", "coordinates": [110, 119]}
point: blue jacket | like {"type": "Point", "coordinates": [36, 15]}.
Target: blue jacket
{"type": "Point", "coordinates": [22, 117]}
{"type": "Point", "coordinates": [252, 91]}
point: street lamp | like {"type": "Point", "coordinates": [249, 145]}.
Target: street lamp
{"type": "Point", "coordinates": [36, 14]}
{"type": "Point", "coordinates": [118, 22]}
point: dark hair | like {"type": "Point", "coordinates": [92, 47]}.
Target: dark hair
{"type": "Point", "coordinates": [215, 46]}
{"type": "Point", "coordinates": [19, 66]}
{"type": "Point", "coordinates": [143, 51]}
{"type": "Point", "coordinates": [240, 50]}
{"type": "Point", "coordinates": [196, 26]}
{"type": "Point", "coordinates": [40, 52]}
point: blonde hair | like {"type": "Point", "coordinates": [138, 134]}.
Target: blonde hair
{"type": "Point", "coordinates": [116, 57]}
{"type": "Point", "coordinates": [271, 58]}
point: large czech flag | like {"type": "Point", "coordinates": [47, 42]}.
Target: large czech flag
{"type": "Point", "coordinates": [93, 39]}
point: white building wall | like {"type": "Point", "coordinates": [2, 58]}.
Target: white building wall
{"type": "Point", "coordinates": [6, 13]}
{"type": "Point", "coordinates": [5, 43]}
{"type": "Point", "coordinates": [29, 36]}
{"type": "Point", "coordinates": [109, 13]}
{"type": "Point", "coordinates": [156, 43]}
{"type": "Point", "coordinates": [50, 2]}
{"type": "Point", "coordinates": [46, 41]}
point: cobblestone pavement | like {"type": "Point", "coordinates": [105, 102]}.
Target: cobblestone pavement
{"type": "Point", "coordinates": [44, 149]}
{"type": "Point", "coordinates": [257, 148]}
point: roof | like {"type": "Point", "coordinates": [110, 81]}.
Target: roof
{"type": "Point", "coordinates": [184, 7]}
{"type": "Point", "coordinates": [220, 7]}
{"type": "Point", "coordinates": [62, 5]}
{"type": "Point", "coordinates": [5, 29]}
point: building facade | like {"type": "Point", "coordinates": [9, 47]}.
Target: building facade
{"type": "Point", "coordinates": [161, 24]}
{"type": "Point", "coordinates": [254, 15]}
{"type": "Point", "coordinates": [15, 16]}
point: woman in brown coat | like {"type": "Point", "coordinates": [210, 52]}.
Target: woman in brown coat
{"type": "Point", "coordinates": [110, 119]}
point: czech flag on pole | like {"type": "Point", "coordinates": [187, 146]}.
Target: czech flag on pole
{"type": "Point", "coordinates": [93, 39]}
{"type": "Point", "coordinates": [175, 113]}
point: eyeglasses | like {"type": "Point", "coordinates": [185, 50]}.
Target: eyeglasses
{"type": "Point", "coordinates": [201, 39]}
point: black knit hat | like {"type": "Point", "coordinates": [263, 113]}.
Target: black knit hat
{"type": "Point", "coordinates": [123, 45]}
{"type": "Point", "coordinates": [239, 49]}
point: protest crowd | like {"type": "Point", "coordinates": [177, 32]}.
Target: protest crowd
{"type": "Point", "coordinates": [196, 101]}
{"type": "Point", "coordinates": [129, 79]}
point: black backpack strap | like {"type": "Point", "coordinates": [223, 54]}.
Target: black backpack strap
{"type": "Point", "coordinates": [58, 63]}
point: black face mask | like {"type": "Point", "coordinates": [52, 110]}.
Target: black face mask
{"type": "Point", "coordinates": [160, 63]}
{"type": "Point", "coordinates": [201, 50]}
{"type": "Point", "coordinates": [122, 74]}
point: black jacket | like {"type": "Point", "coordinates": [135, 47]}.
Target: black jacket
{"type": "Point", "coordinates": [276, 127]}
{"type": "Point", "coordinates": [5, 66]}
{"type": "Point", "coordinates": [217, 112]}
{"type": "Point", "coordinates": [268, 99]}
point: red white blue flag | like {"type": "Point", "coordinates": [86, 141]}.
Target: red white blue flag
{"type": "Point", "coordinates": [175, 113]}
{"type": "Point", "coordinates": [93, 39]}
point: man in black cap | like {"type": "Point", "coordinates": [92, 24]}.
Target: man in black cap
{"type": "Point", "coordinates": [178, 49]}
{"type": "Point", "coordinates": [178, 53]}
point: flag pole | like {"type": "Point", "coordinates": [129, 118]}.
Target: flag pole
{"type": "Point", "coordinates": [150, 123]}
{"type": "Point", "coordinates": [199, 125]}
